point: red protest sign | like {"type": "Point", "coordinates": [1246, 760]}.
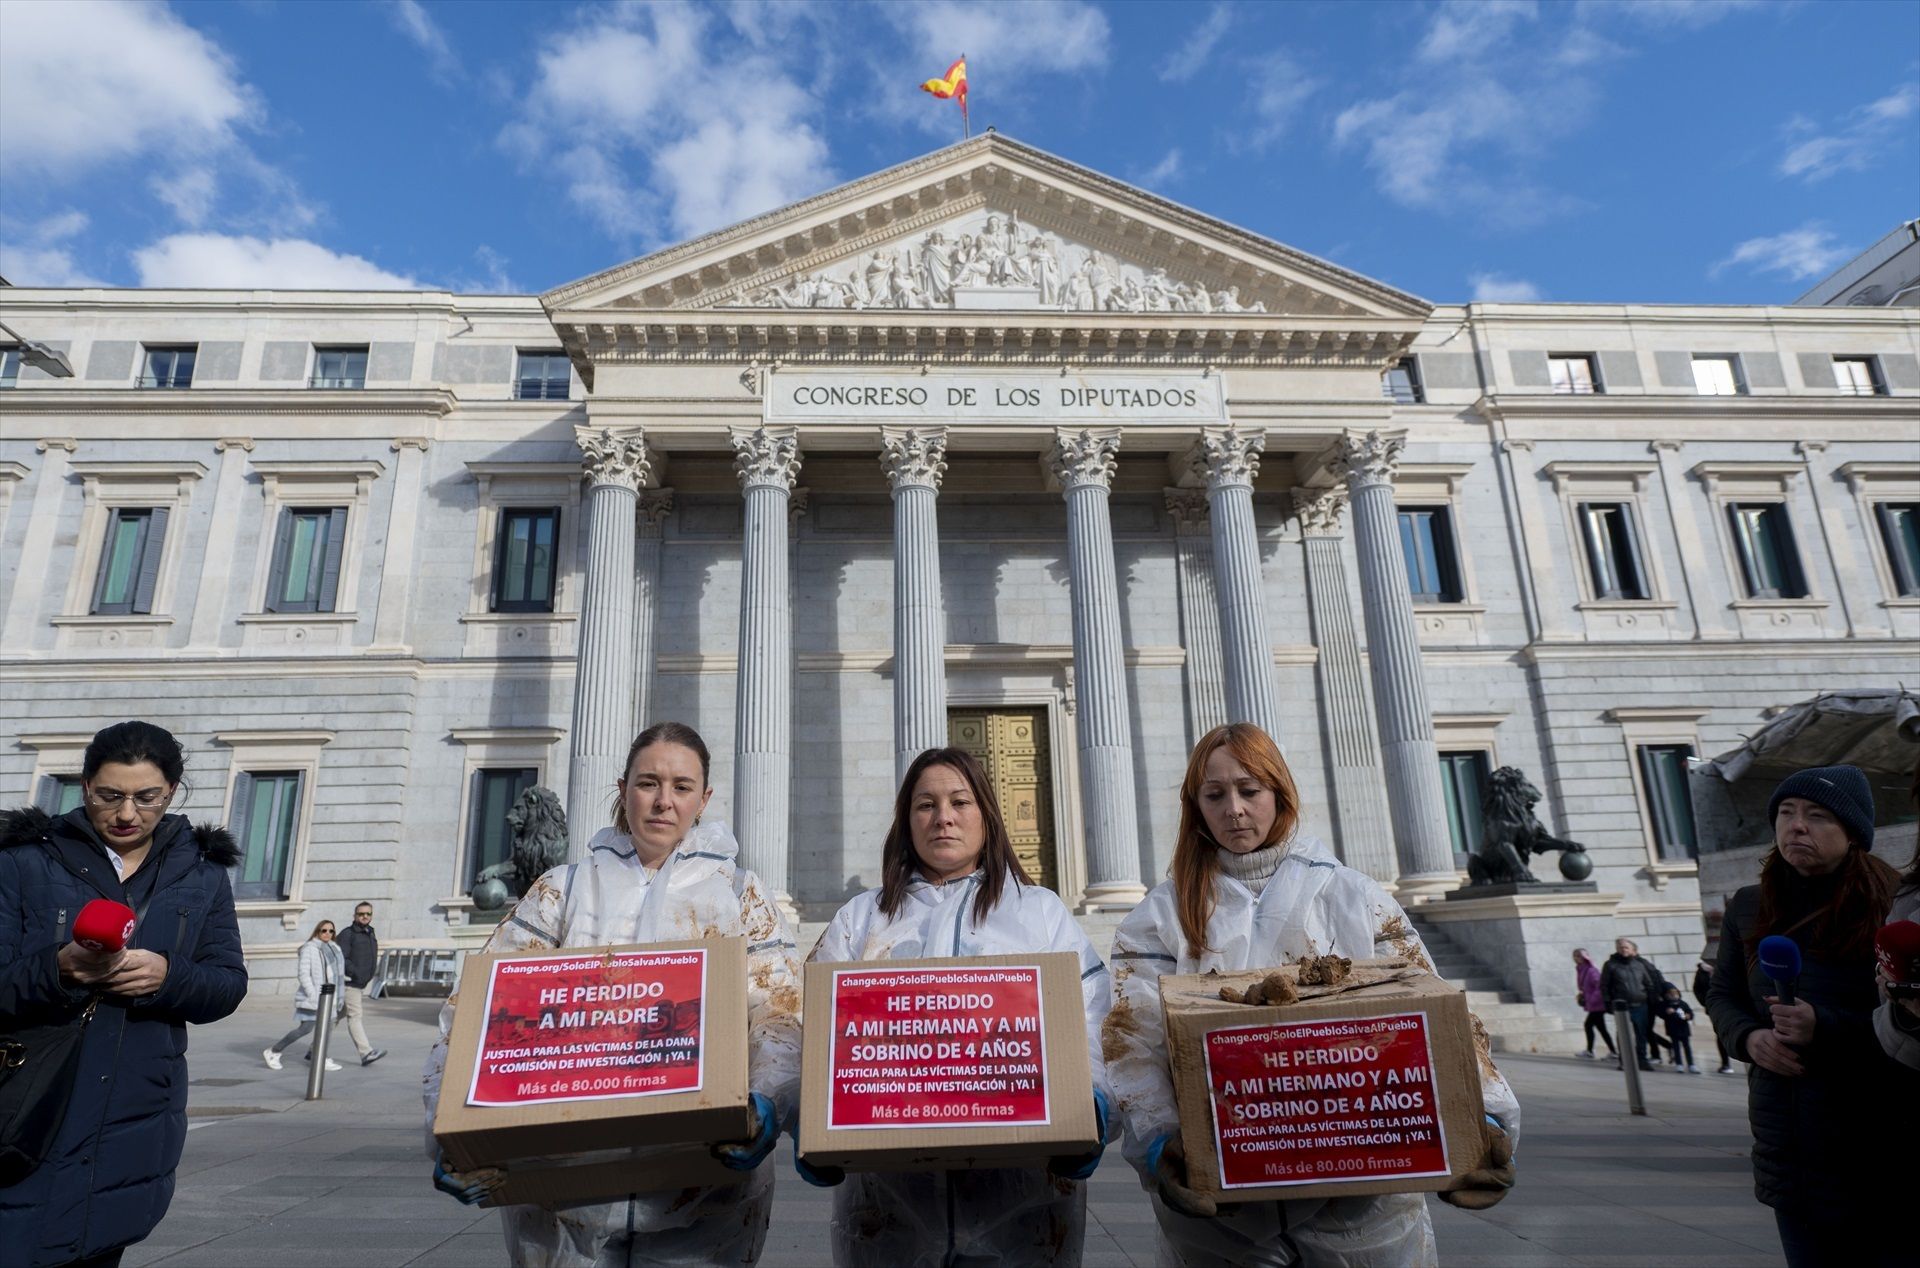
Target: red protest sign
{"type": "Point", "coordinates": [937, 1047]}
{"type": "Point", "coordinates": [589, 1027]}
{"type": "Point", "coordinates": [1339, 1099]}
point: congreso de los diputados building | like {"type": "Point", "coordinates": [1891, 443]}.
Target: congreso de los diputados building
{"type": "Point", "coordinates": [987, 449]}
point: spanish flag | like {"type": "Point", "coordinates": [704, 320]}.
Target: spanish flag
{"type": "Point", "coordinates": [953, 85]}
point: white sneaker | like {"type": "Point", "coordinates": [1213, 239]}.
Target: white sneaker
{"type": "Point", "coordinates": [1585, 1056]}
{"type": "Point", "coordinates": [273, 1058]}
{"type": "Point", "coordinates": [333, 1065]}
{"type": "Point", "coordinates": [1694, 1069]}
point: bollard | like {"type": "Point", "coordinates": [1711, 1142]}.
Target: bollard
{"type": "Point", "coordinates": [323, 1031]}
{"type": "Point", "coordinates": [1629, 1058]}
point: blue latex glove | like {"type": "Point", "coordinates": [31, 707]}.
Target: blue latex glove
{"type": "Point", "coordinates": [818, 1177]}
{"type": "Point", "coordinates": [471, 1188]}
{"type": "Point", "coordinates": [1081, 1167]}
{"type": "Point", "coordinates": [747, 1154]}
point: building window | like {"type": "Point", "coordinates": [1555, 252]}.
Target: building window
{"type": "Point", "coordinates": [1401, 383]}
{"type": "Point", "coordinates": [306, 559]}
{"type": "Point", "coordinates": [340, 368]}
{"type": "Point", "coordinates": [1613, 551]}
{"type": "Point", "coordinates": [265, 818]}
{"type": "Point", "coordinates": [543, 376]}
{"type": "Point", "coordinates": [495, 789]}
{"type": "Point", "coordinates": [1463, 781]}
{"type": "Point", "coordinates": [1859, 376]}
{"type": "Point", "coordinates": [1433, 568]}
{"type": "Point", "coordinates": [1900, 533]}
{"type": "Point", "coordinates": [1763, 539]}
{"type": "Point", "coordinates": [169, 367]}
{"type": "Point", "coordinates": [10, 366]}
{"type": "Point", "coordinates": [59, 793]}
{"type": "Point", "coordinates": [1718, 376]}
{"type": "Point", "coordinates": [130, 561]}
{"type": "Point", "coordinates": [1572, 375]}
{"type": "Point", "coordinates": [523, 570]}
{"type": "Point", "coordinates": [1663, 776]}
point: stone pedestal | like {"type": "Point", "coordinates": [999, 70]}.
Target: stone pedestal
{"type": "Point", "coordinates": [1528, 937]}
{"type": "Point", "coordinates": [1513, 889]}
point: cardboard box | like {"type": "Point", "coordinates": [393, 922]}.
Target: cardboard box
{"type": "Point", "coordinates": [1371, 1086]}
{"type": "Point", "coordinates": [591, 1073]}
{"type": "Point", "coordinates": [930, 1065]}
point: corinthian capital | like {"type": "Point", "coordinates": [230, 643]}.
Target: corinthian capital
{"type": "Point", "coordinates": [1319, 510]}
{"type": "Point", "coordinates": [914, 457]}
{"type": "Point", "coordinates": [1189, 508]}
{"type": "Point", "coordinates": [1082, 458]}
{"type": "Point", "coordinates": [1227, 456]}
{"type": "Point", "coordinates": [655, 505]}
{"type": "Point", "coordinates": [766, 457]}
{"type": "Point", "coordinates": [1367, 459]}
{"type": "Point", "coordinates": [616, 456]}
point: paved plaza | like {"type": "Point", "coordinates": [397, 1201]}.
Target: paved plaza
{"type": "Point", "coordinates": [271, 1179]}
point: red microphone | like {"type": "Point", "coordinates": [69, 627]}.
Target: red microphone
{"type": "Point", "coordinates": [104, 926]}
{"type": "Point", "coordinates": [1897, 947]}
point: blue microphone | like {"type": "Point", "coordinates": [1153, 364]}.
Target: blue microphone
{"type": "Point", "coordinates": [1780, 960]}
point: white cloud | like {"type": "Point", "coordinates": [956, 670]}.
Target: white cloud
{"type": "Point", "coordinates": [86, 84]}
{"type": "Point", "coordinates": [1005, 41]}
{"type": "Point", "coordinates": [1491, 288]}
{"type": "Point", "coordinates": [1164, 172]}
{"type": "Point", "coordinates": [1464, 30]}
{"type": "Point", "coordinates": [1184, 63]}
{"type": "Point", "coordinates": [1281, 88]}
{"type": "Point", "coordinates": [412, 20]}
{"type": "Point", "coordinates": [214, 260]}
{"type": "Point", "coordinates": [1688, 15]}
{"type": "Point", "coordinates": [1807, 252]}
{"type": "Point", "coordinates": [41, 255]}
{"type": "Point", "coordinates": [189, 191]}
{"type": "Point", "coordinates": [1862, 140]}
{"type": "Point", "coordinates": [712, 135]}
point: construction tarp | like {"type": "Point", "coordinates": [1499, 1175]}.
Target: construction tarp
{"type": "Point", "coordinates": [1876, 730]}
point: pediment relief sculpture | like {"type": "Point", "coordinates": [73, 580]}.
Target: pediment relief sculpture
{"type": "Point", "coordinates": [992, 260]}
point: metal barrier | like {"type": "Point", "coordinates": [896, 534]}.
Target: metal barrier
{"type": "Point", "coordinates": [317, 1076]}
{"type": "Point", "coordinates": [407, 971]}
{"type": "Point", "coordinates": [1629, 1043]}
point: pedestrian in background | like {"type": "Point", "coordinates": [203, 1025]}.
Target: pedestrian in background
{"type": "Point", "coordinates": [1627, 979]}
{"type": "Point", "coordinates": [360, 948]}
{"type": "Point", "coordinates": [1825, 1102]}
{"type": "Point", "coordinates": [1586, 976]}
{"type": "Point", "coordinates": [1678, 1019]}
{"type": "Point", "coordinates": [319, 964]}
{"type": "Point", "coordinates": [1702, 980]}
{"type": "Point", "coordinates": [107, 1177]}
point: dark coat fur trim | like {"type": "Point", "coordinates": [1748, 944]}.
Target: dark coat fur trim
{"type": "Point", "coordinates": [29, 823]}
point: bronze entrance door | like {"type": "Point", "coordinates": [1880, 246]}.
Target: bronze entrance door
{"type": "Point", "coordinates": [1012, 745]}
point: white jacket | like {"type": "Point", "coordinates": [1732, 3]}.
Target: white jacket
{"type": "Point", "coordinates": [697, 892]}
{"type": "Point", "coordinates": [1011, 1216]}
{"type": "Point", "coordinates": [317, 964]}
{"type": "Point", "coordinates": [1313, 905]}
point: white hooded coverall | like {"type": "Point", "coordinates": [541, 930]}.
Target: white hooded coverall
{"type": "Point", "coordinates": [697, 892]}
{"type": "Point", "coordinates": [1019, 1217]}
{"type": "Point", "coordinates": [1313, 905]}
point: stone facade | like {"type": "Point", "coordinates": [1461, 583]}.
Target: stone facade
{"type": "Point", "coordinates": [1110, 561]}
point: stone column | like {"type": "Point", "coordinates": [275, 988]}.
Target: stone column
{"type": "Point", "coordinates": [1694, 561]}
{"type": "Point", "coordinates": [223, 536]}
{"type": "Point", "coordinates": [1346, 712]}
{"type": "Point", "coordinates": [766, 459]}
{"type": "Point", "coordinates": [1083, 462]}
{"type": "Point", "coordinates": [1410, 757]}
{"type": "Point", "coordinates": [617, 466]}
{"type": "Point", "coordinates": [654, 505]}
{"type": "Point", "coordinates": [915, 459]}
{"type": "Point", "coordinates": [396, 565]}
{"type": "Point", "coordinates": [1199, 611]}
{"type": "Point", "coordinates": [1230, 458]}
{"type": "Point", "coordinates": [1857, 608]}
{"type": "Point", "coordinates": [30, 589]}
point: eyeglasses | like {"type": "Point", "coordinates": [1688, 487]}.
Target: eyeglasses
{"type": "Point", "coordinates": [326, 933]}
{"type": "Point", "coordinates": [363, 915]}
{"type": "Point", "coordinates": [145, 799]}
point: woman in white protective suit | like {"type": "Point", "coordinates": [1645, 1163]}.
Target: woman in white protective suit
{"type": "Point", "coordinates": [658, 875]}
{"type": "Point", "coordinates": [1246, 891]}
{"type": "Point", "coordinates": [951, 886]}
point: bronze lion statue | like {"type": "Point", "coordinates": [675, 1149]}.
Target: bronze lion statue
{"type": "Point", "coordinates": [539, 828]}
{"type": "Point", "coordinates": [1512, 834]}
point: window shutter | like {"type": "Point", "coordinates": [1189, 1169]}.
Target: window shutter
{"type": "Point", "coordinates": [1447, 556]}
{"type": "Point", "coordinates": [238, 815]}
{"type": "Point", "coordinates": [152, 541]}
{"type": "Point", "coordinates": [330, 570]}
{"type": "Point", "coordinates": [282, 547]}
{"type": "Point", "coordinates": [46, 798]}
{"type": "Point", "coordinates": [1637, 586]}
{"type": "Point", "coordinates": [1791, 574]}
{"type": "Point", "coordinates": [106, 562]}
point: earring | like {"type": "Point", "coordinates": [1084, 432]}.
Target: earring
{"type": "Point", "coordinates": [696, 821]}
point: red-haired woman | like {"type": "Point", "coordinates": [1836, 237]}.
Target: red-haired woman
{"type": "Point", "coordinates": [1247, 891]}
{"type": "Point", "coordinates": [951, 885]}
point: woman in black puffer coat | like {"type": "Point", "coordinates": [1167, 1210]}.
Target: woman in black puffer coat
{"type": "Point", "coordinates": [1825, 1103]}
{"type": "Point", "coordinates": [109, 1177]}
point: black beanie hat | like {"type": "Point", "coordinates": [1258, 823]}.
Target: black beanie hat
{"type": "Point", "coordinates": [1841, 789]}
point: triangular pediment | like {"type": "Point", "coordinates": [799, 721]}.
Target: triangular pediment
{"type": "Point", "coordinates": [986, 225]}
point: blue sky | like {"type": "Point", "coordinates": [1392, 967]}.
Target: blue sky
{"type": "Point", "coordinates": [1641, 150]}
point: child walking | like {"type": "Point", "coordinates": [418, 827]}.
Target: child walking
{"type": "Point", "coordinates": [1679, 1019]}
